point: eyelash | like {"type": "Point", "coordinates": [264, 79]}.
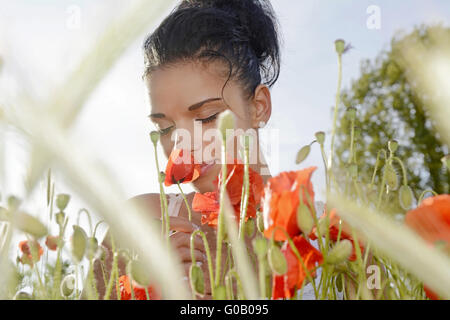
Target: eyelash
{"type": "Point", "coordinates": [209, 119]}
{"type": "Point", "coordinates": [206, 120]}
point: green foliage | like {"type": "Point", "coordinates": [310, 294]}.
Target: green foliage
{"type": "Point", "coordinates": [389, 107]}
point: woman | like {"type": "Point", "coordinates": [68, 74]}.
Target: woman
{"type": "Point", "coordinates": [206, 57]}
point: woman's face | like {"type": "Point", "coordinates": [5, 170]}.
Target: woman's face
{"type": "Point", "coordinates": [186, 100]}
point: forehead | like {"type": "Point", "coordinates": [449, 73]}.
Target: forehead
{"type": "Point", "coordinates": [183, 84]}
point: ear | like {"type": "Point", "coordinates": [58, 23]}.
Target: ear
{"type": "Point", "coordinates": [262, 106]}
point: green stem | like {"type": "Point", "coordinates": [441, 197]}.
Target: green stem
{"type": "Point", "coordinates": [220, 227]}
{"type": "Point", "coordinates": [425, 192]}
{"type": "Point", "coordinates": [185, 201]}
{"type": "Point", "coordinates": [208, 256]}
{"type": "Point", "coordinates": [336, 109]}
{"type": "Point", "coordinates": [88, 216]}
{"type": "Point", "coordinates": [113, 271]}
{"type": "Point", "coordinates": [162, 199]}
{"type": "Point", "coordinates": [245, 192]}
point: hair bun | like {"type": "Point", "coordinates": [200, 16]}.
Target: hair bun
{"type": "Point", "coordinates": [255, 17]}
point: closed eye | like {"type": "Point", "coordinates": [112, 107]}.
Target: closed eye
{"type": "Point", "coordinates": [209, 119]}
{"type": "Point", "coordinates": [165, 131]}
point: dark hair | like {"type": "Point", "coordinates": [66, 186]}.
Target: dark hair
{"type": "Point", "coordinates": [244, 33]}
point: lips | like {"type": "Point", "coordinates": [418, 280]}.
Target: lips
{"type": "Point", "coordinates": [205, 167]}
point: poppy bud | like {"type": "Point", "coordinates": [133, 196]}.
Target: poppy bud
{"type": "Point", "coordinates": [139, 273]}
{"type": "Point", "coordinates": [405, 195]}
{"type": "Point", "coordinates": [92, 245]}
{"type": "Point", "coordinates": [79, 241]}
{"type": "Point", "coordinates": [162, 176]}
{"type": "Point", "coordinates": [30, 225]}
{"type": "Point", "coordinates": [249, 227]}
{"type": "Point", "coordinates": [340, 252]}
{"type": "Point", "coordinates": [62, 200]}
{"type": "Point", "coordinates": [226, 122]}
{"type": "Point", "coordinates": [197, 280]}
{"type": "Point", "coordinates": [320, 137]}
{"type": "Point", "coordinates": [220, 293]}
{"type": "Point", "coordinates": [277, 261]}
{"type": "Point", "coordinates": [13, 203]}
{"type": "Point", "coordinates": [392, 146]}
{"type": "Point", "coordinates": [391, 177]}
{"type": "Point", "coordinates": [340, 46]}
{"type": "Point", "coordinates": [260, 247]}
{"type": "Point", "coordinates": [67, 285]}
{"type": "Point", "coordinates": [52, 242]}
{"type": "Point", "coordinates": [154, 136]}
{"type": "Point", "coordinates": [304, 219]}
{"type": "Point", "coordinates": [303, 154]}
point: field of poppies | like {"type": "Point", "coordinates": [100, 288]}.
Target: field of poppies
{"type": "Point", "coordinates": [360, 252]}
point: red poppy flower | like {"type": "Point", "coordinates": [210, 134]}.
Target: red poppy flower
{"type": "Point", "coordinates": [280, 201]}
{"type": "Point", "coordinates": [52, 242]}
{"type": "Point", "coordinates": [27, 256]}
{"type": "Point", "coordinates": [181, 168]}
{"type": "Point", "coordinates": [285, 286]}
{"type": "Point", "coordinates": [334, 232]}
{"type": "Point", "coordinates": [139, 291]}
{"type": "Point", "coordinates": [431, 220]}
{"type": "Point", "coordinates": [209, 203]}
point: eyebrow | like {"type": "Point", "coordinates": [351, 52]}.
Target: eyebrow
{"type": "Point", "coordinates": [193, 107]}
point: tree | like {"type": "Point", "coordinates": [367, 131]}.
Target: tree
{"type": "Point", "coordinates": [389, 107]}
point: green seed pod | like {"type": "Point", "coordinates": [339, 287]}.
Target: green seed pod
{"type": "Point", "coordinates": [220, 293]}
{"type": "Point", "coordinates": [139, 272]}
{"type": "Point", "coordinates": [340, 252]}
{"type": "Point", "coordinates": [351, 113]}
{"type": "Point", "coordinates": [260, 247]}
{"type": "Point", "coordinates": [155, 136]}
{"type": "Point", "coordinates": [260, 221]}
{"type": "Point", "coordinates": [304, 219]}
{"type": "Point", "coordinates": [303, 154]}
{"type": "Point", "coordinates": [320, 137]}
{"type": "Point", "coordinates": [21, 295]}
{"type": "Point", "coordinates": [67, 285]}
{"type": "Point", "coordinates": [13, 203]}
{"type": "Point", "coordinates": [60, 216]}
{"type": "Point", "coordinates": [30, 225]}
{"type": "Point", "coordinates": [322, 226]}
{"type": "Point", "coordinates": [226, 122]}
{"type": "Point", "coordinates": [339, 46]}
{"type": "Point", "coordinates": [79, 243]}
{"type": "Point", "coordinates": [92, 246]}
{"type": "Point", "coordinates": [249, 228]}
{"type": "Point", "coordinates": [392, 146]}
{"type": "Point", "coordinates": [62, 200]}
{"type": "Point", "coordinates": [405, 196]}
{"type": "Point", "coordinates": [391, 177]}
{"type": "Point", "coordinates": [277, 261]}
{"type": "Point", "coordinates": [197, 279]}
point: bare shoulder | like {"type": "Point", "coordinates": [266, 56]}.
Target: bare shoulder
{"type": "Point", "coordinates": [150, 202]}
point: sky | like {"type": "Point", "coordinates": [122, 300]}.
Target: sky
{"type": "Point", "coordinates": [40, 44]}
